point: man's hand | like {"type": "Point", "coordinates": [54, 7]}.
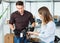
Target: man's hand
{"type": "Point", "coordinates": [32, 29]}
{"type": "Point", "coordinates": [33, 24]}
{"type": "Point", "coordinates": [11, 27]}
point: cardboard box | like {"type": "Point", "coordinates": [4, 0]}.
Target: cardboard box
{"type": "Point", "coordinates": [9, 38]}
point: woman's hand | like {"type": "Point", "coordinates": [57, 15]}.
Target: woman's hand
{"type": "Point", "coordinates": [30, 32]}
{"type": "Point", "coordinates": [33, 33]}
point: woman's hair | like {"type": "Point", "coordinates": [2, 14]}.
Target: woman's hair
{"type": "Point", "coordinates": [44, 11]}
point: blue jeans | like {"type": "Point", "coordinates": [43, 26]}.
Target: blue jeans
{"type": "Point", "coordinates": [20, 40]}
{"type": "Point", "coordinates": [50, 42]}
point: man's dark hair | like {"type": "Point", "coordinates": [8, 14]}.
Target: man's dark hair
{"type": "Point", "coordinates": [20, 3]}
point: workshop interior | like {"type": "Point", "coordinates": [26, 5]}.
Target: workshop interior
{"type": "Point", "coordinates": [7, 7]}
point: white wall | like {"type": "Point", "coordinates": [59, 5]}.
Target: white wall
{"type": "Point", "coordinates": [13, 7]}
{"type": "Point", "coordinates": [27, 7]}
{"type": "Point", "coordinates": [4, 28]}
{"type": "Point", "coordinates": [0, 9]}
{"type": "Point", "coordinates": [57, 8]}
{"type": "Point", "coordinates": [35, 6]}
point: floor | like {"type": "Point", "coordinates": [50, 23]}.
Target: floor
{"type": "Point", "coordinates": [58, 31]}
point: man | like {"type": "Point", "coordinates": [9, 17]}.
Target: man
{"type": "Point", "coordinates": [20, 19]}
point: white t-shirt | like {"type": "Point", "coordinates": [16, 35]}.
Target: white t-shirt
{"type": "Point", "coordinates": [47, 32]}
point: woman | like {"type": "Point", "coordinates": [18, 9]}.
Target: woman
{"type": "Point", "coordinates": [47, 32]}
